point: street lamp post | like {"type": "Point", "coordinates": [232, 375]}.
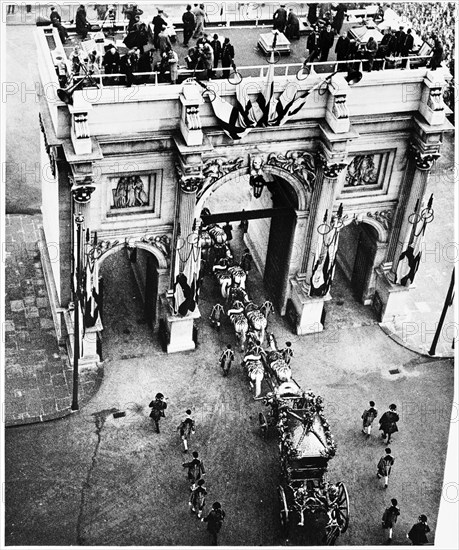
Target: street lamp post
{"type": "Point", "coordinates": [79, 219]}
{"type": "Point", "coordinates": [448, 302]}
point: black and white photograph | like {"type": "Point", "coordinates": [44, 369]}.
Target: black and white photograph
{"type": "Point", "coordinates": [229, 247]}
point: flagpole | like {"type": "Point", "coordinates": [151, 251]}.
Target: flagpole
{"type": "Point", "coordinates": [448, 302]}
{"type": "Point", "coordinates": [76, 323]}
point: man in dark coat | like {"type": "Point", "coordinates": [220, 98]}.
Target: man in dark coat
{"type": "Point", "coordinates": [280, 19]}
{"type": "Point", "coordinates": [215, 520]}
{"type": "Point", "coordinates": [158, 406]}
{"type": "Point", "coordinates": [111, 61]}
{"type": "Point", "coordinates": [407, 46]}
{"type": "Point", "coordinates": [326, 39]}
{"type": "Point", "coordinates": [312, 14]}
{"type": "Point", "coordinates": [217, 47]}
{"type": "Point", "coordinates": [227, 57]}
{"type": "Point", "coordinates": [338, 20]}
{"type": "Point", "coordinates": [312, 44]}
{"type": "Point", "coordinates": [189, 23]}
{"type": "Point", "coordinates": [292, 31]}
{"type": "Point", "coordinates": [158, 24]}
{"type": "Point", "coordinates": [418, 532]}
{"type": "Point", "coordinates": [390, 516]}
{"type": "Point", "coordinates": [437, 55]}
{"type": "Point", "coordinates": [342, 47]}
{"type": "Point", "coordinates": [131, 15]}
{"type": "Point", "coordinates": [385, 466]}
{"type": "Point", "coordinates": [81, 23]}
{"type": "Point", "coordinates": [368, 417]}
{"type": "Point", "coordinates": [400, 37]}
{"type": "Point", "coordinates": [57, 22]}
{"type": "Point", "coordinates": [388, 422]}
{"type": "Point", "coordinates": [195, 468]}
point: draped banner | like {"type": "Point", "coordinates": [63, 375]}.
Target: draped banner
{"type": "Point", "coordinates": [186, 282]}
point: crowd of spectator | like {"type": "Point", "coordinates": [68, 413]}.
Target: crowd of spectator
{"type": "Point", "coordinates": [433, 18]}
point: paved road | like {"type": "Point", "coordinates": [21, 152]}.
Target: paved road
{"type": "Point", "coordinates": [109, 481]}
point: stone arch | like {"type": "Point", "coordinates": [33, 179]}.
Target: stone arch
{"type": "Point", "coordinates": [300, 190]}
{"type": "Point", "coordinates": [161, 258]}
{"type": "Point", "coordinates": [383, 233]}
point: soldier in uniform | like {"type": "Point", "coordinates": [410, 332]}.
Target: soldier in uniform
{"type": "Point", "coordinates": [368, 416]}
{"type": "Point", "coordinates": [158, 406]}
{"type": "Point", "coordinates": [185, 428]}
{"type": "Point", "coordinates": [214, 520]}
{"type": "Point", "coordinates": [195, 469]}
{"type": "Point", "coordinates": [385, 466]}
{"type": "Point", "coordinates": [388, 422]}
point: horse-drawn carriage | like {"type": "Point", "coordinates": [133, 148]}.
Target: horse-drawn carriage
{"type": "Point", "coordinates": [306, 445]}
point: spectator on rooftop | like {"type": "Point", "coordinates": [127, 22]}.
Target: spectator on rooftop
{"type": "Point", "coordinates": [437, 54]}
{"type": "Point", "coordinates": [200, 16]}
{"type": "Point", "coordinates": [189, 24]}
{"type": "Point", "coordinates": [164, 42]}
{"type": "Point", "coordinates": [292, 30]}
{"type": "Point", "coordinates": [57, 23]}
{"type": "Point", "coordinates": [158, 24]}
{"type": "Point", "coordinates": [82, 24]}
{"type": "Point", "coordinates": [342, 47]}
{"type": "Point", "coordinates": [130, 14]}
{"type": "Point", "coordinates": [217, 47]}
{"type": "Point", "coordinates": [326, 40]}
{"type": "Point", "coordinates": [338, 19]}
{"type": "Point", "coordinates": [227, 57]}
{"type": "Point", "coordinates": [280, 19]}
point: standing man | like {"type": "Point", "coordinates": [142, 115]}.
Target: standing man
{"type": "Point", "coordinates": [217, 47]}
{"type": "Point", "coordinates": [388, 422]}
{"type": "Point", "coordinates": [189, 24]}
{"type": "Point", "coordinates": [199, 15]}
{"type": "Point", "coordinates": [338, 19]}
{"type": "Point", "coordinates": [158, 406]}
{"type": "Point", "coordinates": [368, 417]}
{"type": "Point", "coordinates": [407, 47]}
{"type": "Point", "coordinates": [385, 467]}
{"type": "Point", "coordinates": [390, 517]}
{"type": "Point", "coordinates": [400, 37]}
{"type": "Point", "coordinates": [326, 39]}
{"type": "Point", "coordinates": [280, 19]}
{"type": "Point", "coordinates": [226, 358]}
{"type": "Point", "coordinates": [163, 41]}
{"type": "Point", "coordinates": [198, 497]}
{"type": "Point", "coordinates": [186, 427]}
{"type": "Point", "coordinates": [287, 352]}
{"type": "Point", "coordinates": [131, 14]}
{"type": "Point", "coordinates": [292, 29]}
{"type": "Point", "coordinates": [158, 24]}
{"type": "Point", "coordinates": [437, 54]}
{"type": "Point", "coordinates": [418, 532]}
{"type": "Point", "coordinates": [195, 468]}
{"type": "Point", "coordinates": [227, 57]}
{"type": "Point", "coordinates": [57, 22]}
{"type": "Point", "coordinates": [312, 44]}
{"type": "Point", "coordinates": [215, 520]}
{"type": "Point", "coordinates": [81, 23]}
{"type": "Point", "coordinates": [342, 48]}
{"type": "Point", "coordinates": [370, 52]}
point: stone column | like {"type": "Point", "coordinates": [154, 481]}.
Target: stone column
{"type": "Point", "coordinates": [327, 187]}
{"type": "Point", "coordinates": [411, 203]}
{"type": "Point", "coordinates": [391, 298]}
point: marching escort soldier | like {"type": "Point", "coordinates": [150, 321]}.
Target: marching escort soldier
{"type": "Point", "coordinates": [158, 406]}
{"type": "Point", "coordinates": [198, 497]}
{"type": "Point", "coordinates": [226, 359]}
{"type": "Point", "coordinates": [418, 532]}
{"type": "Point", "coordinates": [186, 427]}
{"type": "Point", "coordinates": [214, 521]}
{"type": "Point", "coordinates": [216, 315]}
{"type": "Point", "coordinates": [368, 417]}
{"type": "Point", "coordinates": [388, 422]}
{"type": "Point", "coordinates": [385, 466]}
{"type": "Point", "coordinates": [195, 469]}
{"type": "Point", "coordinates": [390, 517]}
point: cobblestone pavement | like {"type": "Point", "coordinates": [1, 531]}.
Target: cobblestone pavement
{"type": "Point", "coordinates": [38, 376]}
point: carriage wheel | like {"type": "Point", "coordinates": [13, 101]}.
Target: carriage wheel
{"type": "Point", "coordinates": [342, 507]}
{"type": "Point", "coordinates": [283, 510]}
